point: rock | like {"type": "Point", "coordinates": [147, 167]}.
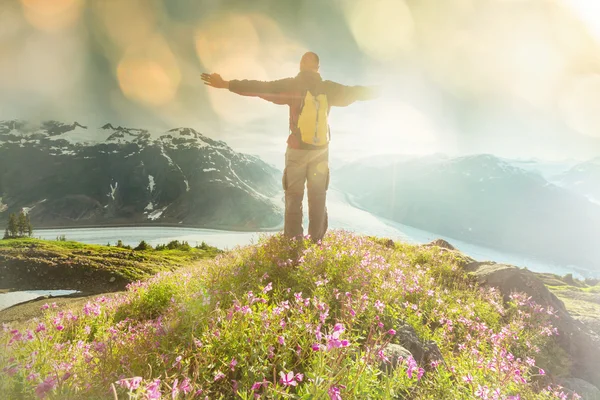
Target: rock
{"type": "Point", "coordinates": [389, 243]}
{"type": "Point", "coordinates": [396, 354]}
{"type": "Point", "coordinates": [574, 337]}
{"type": "Point", "coordinates": [423, 352]}
{"type": "Point", "coordinates": [586, 390]}
{"type": "Point", "coordinates": [441, 243]}
{"type": "Point", "coordinates": [508, 279]}
{"type": "Point", "coordinates": [112, 279]}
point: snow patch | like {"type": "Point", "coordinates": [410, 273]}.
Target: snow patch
{"type": "Point", "coordinates": [153, 216]}
{"type": "Point", "coordinates": [3, 207]}
{"type": "Point", "coordinates": [150, 183]}
{"type": "Point", "coordinates": [26, 210]}
{"type": "Point", "coordinates": [187, 185]}
{"type": "Point", "coordinates": [113, 189]}
{"type": "Point", "coordinates": [149, 207]}
{"type": "Point", "coordinates": [209, 169]}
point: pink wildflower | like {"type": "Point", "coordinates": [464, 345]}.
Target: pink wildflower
{"type": "Point", "coordinates": [219, 375]}
{"type": "Point", "coordinates": [44, 387]}
{"type": "Point", "coordinates": [288, 379]}
{"type": "Point", "coordinates": [334, 392]}
{"type": "Point", "coordinates": [185, 386]}
{"type": "Point", "coordinates": [153, 389]}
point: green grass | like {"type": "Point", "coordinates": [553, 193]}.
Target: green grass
{"type": "Point", "coordinates": [128, 264]}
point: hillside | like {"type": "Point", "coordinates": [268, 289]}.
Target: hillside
{"type": "Point", "coordinates": [483, 200]}
{"type": "Point", "coordinates": [353, 318]}
{"type": "Point", "coordinates": [73, 175]}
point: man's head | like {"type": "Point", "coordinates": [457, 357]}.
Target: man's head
{"type": "Point", "coordinates": [309, 62]}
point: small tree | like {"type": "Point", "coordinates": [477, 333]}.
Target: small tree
{"type": "Point", "coordinates": [6, 234]}
{"type": "Point", "coordinates": [22, 223]}
{"type": "Point", "coordinates": [13, 226]}
{"type": "Point", "coordinates": [143, 246]}
{"type": "Point", "coordinates": [29, 227]}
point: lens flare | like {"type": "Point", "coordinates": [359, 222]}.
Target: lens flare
{"type": "Point", "coordinates": [149, 73]}
{"type": "Point", "coordinates": [52, 15]}
{"type": "Point", "coordinates": [245, 47]}
{"type": "Point", "coordinates": [126, 22]}
{"type": "Point", "coordinates": [382, 28]}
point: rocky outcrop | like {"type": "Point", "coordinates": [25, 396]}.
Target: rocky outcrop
{"type": "Point", "coordinates": [574, 337]}
{"type": "Point", "coordinates": [586, 390]}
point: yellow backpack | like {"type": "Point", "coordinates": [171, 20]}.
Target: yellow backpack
{"type": "Point", "coordinates": [312, 121]}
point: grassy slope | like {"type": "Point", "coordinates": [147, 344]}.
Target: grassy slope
{"type": "Point", "coordinates": [319, 314]}
{"type": "Point", "coordinates": [582, 300]}
{"type": "Point", "coordinates": [67, 263]}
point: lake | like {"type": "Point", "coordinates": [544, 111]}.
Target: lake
{"type": "Point", "coordinates": [342, 215]}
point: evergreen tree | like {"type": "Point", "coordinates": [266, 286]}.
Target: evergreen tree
{"type": "Point", "coordinates": [29, 227]}
{"type": "Point", "coordinates": [6, 234]}
{"type": "Point", "coordinates": [13, 226]}
{"type": "Point", "coordinates": [22, 223]}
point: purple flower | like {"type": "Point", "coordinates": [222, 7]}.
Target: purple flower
{"type": "Point", "coordinates": [153, 389]}
{"type": "Point", "coordinates": [381, 355]}
{"type": "Point", "coordinates": [232, 364]}
{"type": "Point", "coordinates": [482, 392]}
{"type": "Point", "coordinates": [288, 379]}
{"type": "Point", "coordinates": [281, 340]}
{"type": "Point", "coordinates": [391, 332]}
{"type": "Point", "coordinates": [468, 378]}
{"type": "Point", "coordinates": [185, 386]}
{"type": "Point", "coordinates": [219, 375]}
{"type": "Point", "coordinates": [175, 389]}
{"type": "Point", "coordinates": [268, 288]}
{"type": "Point", "coordinates": [334, 393]}
{"type": "Point", "coordinates": [46, 386]}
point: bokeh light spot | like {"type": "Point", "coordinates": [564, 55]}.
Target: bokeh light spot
{"type": "Point", "coordinates": [52, 15]}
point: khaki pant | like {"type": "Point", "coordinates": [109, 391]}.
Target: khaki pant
{"type": "Point", "coordinates": [310, 167]}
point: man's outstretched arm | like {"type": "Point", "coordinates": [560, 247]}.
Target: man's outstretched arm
{"type": "Point", "coordinates": [274, 91]}
{"type": "Point", "coordinates": [341, 95]}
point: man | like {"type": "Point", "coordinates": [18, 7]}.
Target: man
{"type": "Point", "coordinates": [310, 99]}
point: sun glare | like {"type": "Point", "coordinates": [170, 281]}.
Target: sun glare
{"type": "Point", "coordinates": [588, 11]}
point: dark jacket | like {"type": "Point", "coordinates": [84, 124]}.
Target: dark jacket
{"type": "Point", "coordinates": [291, 92]}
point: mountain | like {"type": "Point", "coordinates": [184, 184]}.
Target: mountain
{"type": "Point", "coordinates": [583, 178]}
{"type": "Point", "coordinates": [482, 200]}
{"type": "Point", "coordinates": [548, 169]}
{"type": "Point", "coordinates": [73, 175]}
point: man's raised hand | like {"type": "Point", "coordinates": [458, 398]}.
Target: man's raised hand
{"type": "Point", "coordinates": [215, 81]}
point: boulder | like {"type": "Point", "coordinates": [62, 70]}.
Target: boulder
{"type": "Point", "coordinates": [586, 390]}
{"type": "Point", "coordinates": [440, 243]}
{"type": "Point", "coordinates": [395, 354]}
{"type": "Point", "coordinates": [424, 352]}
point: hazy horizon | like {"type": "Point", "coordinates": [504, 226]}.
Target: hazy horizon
{"type": "Point", "coordinates": [517, 79]}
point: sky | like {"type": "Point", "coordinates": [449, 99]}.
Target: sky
{"type": "Point", "coordinates": [515, 78]}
